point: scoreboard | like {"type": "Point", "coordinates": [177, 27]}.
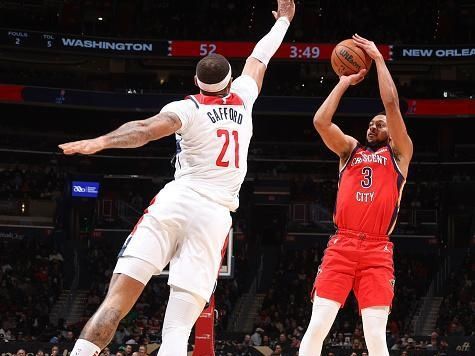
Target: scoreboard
{"type": "Point", "coordinates": [159, 48]}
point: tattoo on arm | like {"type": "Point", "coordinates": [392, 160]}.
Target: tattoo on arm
{"type": "Point", "coordinates": [130, 135]}
{"type": "Point", "coordinates": [138, 133]}
{"type": "Point", "coordinates": [101, 328]}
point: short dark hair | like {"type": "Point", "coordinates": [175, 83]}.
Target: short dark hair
{"type": "Point", "coordinates": [212, 69]}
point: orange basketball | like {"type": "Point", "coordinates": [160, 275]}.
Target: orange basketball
{"type": "Point", "coordinates": [348, 59]}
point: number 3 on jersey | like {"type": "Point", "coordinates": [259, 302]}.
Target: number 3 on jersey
{"type": "Point", "coordinates": [367, 181]}
{"type": "Point", "coordinates": [219, 160]}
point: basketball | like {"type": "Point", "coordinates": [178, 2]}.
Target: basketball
{"type": "Point", "coordinates": [347, 58]}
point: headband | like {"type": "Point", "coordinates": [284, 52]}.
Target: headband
{"type": "Point", "coordinates": [214, 88]}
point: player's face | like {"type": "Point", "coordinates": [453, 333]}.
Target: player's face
{"type": "Point", "coordinates": [377, 130]}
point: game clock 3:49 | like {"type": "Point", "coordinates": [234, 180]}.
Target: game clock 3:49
{"type": "Point", "coordinates": [304, 52]}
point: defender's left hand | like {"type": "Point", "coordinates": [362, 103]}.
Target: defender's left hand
{"type": "Point", "coordinates": [285, 8]}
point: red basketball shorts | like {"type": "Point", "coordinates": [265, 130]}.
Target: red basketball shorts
{"type": "Point", "coordinates": [357, 261]}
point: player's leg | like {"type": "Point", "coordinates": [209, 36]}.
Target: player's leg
{"type": "Point", "coordinates": [374, 290]}
{"type": "Point", "coordinates": [374, 327]}
{"type": "Point", "coordinates": [332, 285]}
{"type": "Point", "coordinates": [193, 270]}
{"type": "Point", "coordinates": [122, 294]}
{"type": "Point", "coordinates": [183, 310]}
{"type": "Point", "coordinates": [145, 253]}
{"type": "Point", "coordinates": [324, 312]}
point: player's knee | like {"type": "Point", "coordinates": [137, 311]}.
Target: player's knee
{"type": "Point", "coordinates": [375, 335]}
{"type": "Point", "coordinates": [317, 329]}
{"type": "Point", "coordinates": [183, 310]}
{"type": "Point", "coordinates": [188, 297]}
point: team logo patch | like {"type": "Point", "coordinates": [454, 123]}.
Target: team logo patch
{"type": "Point", "coordinates": [386, 248]}
{"type": "Point", "coordinates": [392, 282]}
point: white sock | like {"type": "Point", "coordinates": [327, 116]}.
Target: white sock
{"type": "Point", "coordinates": [324, 312]}
{"type": "Point", "coordinates": [183, 310]}
{"type": "Point", "coordinates": [83, 347]}
{"type": "Point", "coordinates": [374, 327]}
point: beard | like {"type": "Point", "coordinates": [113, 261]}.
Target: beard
{"type": "Point", "coordinates": [376, 145]}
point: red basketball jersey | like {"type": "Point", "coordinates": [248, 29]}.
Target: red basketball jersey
{"type": "Point", "coordinates": [369, 191]}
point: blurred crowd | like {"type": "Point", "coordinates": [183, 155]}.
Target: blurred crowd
{"type": "Point", "coordinates": [31, 280]}
{"type": "Point", "coordinates": [24, 181]}
{"type": "Point", "coordinates": [457, 312]}
{"type": "Point", "coordinates": [315, 20]}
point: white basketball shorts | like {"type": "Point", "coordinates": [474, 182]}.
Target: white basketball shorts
{"type": "Point", "coordinates": [183, 228]}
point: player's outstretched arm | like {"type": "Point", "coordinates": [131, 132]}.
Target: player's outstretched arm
{"type": "Point", "coordinates": [130, 135]}
{"type": "Point", "coordinates": [400, 139]}
{"type": "Point", "coordinates": [256, 64]}
{"type": "Point", "coordinates": [331, 134]}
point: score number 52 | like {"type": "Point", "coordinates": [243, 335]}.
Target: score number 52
{"type": "Point", "coordinates": [207, 48]}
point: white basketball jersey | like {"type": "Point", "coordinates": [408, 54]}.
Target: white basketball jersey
{"type": "Point", "coordinates": [213, 142]}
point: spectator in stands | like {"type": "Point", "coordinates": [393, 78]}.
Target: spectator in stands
{"type": "Point", "coordinates": [121, 334]}
{"type": "Point", "coordinates": [128, 350]}
{"type": "Point", "coordinates": [265, 340]}
{"type": "Point", "coordinates": [143, 350]}
{"type": "Point", "coordinates": [54, 351]}
{"type": "Point", "coordinates": [69, 336]}
{"type": "Point", "coordinates": [247, 340]}
{"type": "Point", "coordinates": [256, 338]}
{"type": "Point", "coordinates": [434, 342]}
{"type": "Point", "coordinates": [284, 343]}
{"type": "Point", "coordinates": [21, 352]}
{"type": "Point", "coordinates": [277, 350]}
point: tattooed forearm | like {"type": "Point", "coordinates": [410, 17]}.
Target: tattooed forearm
{"type": "Point", "coordinates": [138, 133]}
{"type": "Point", "coordinates": [130, 135]}
{"type": "Point", "coordinates": [100, 329]}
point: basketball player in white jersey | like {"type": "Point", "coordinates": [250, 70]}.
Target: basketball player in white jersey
{"type": "Point", "coordinates": [188, 221]}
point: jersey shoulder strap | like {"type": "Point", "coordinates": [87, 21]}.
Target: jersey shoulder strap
{"type": "Point", "coordinates": [393, 159]}
{"type": "Point", "coordinates": [350, 157]}
{"type": "Point", "coordinates": [230, 99]}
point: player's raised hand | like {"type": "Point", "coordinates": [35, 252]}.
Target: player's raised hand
{"type": "Point", "coordinates": [368, 46]}
{"type": "Point", "coordinates": [353, 79]}
{"type": "Point", "coordinates": [86, 147]}
{"type": "Point", "coordinates": [285, 8]}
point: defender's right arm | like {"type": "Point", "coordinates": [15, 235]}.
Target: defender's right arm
{"type": "Point", "coordinates": [331, 134]}
{"type": "Point", "coordinates": [130, 135]}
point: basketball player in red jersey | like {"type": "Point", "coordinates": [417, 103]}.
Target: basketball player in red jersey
{"type": "Point", "coordinates": [359, 255]}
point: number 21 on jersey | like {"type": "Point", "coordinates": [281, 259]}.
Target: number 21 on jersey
{"type": "Point", "coordinates": [226, 134]}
